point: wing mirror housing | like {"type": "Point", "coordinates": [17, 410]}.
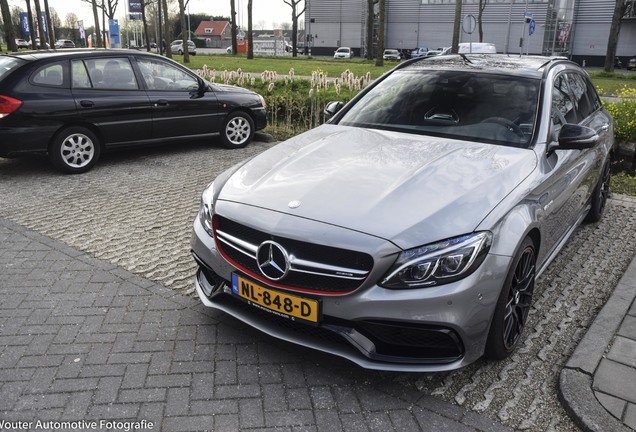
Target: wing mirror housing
{"type": "Point", "coordinates": [576, 137]}
{"type": "Point", "coordinates": [332, 108]}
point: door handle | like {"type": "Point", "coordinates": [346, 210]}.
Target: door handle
{"type": "Point", "coordinates": [161, 102]}
{"type": "Point", "coordinates": [87, 104]}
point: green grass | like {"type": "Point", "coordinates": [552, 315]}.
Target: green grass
{"type": "Point", "coordinates": [303, 66]}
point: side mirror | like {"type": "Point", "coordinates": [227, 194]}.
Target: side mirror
{"type": "Point", "coordinates": [332, 108]}
{"type": "Point", "coordinates": [575, 137]}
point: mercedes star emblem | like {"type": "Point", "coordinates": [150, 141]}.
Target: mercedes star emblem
{"type": "Point", "coordinates": [272, 260]}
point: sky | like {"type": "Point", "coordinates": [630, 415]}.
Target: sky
{"type": "Point", "coordinates": [267, 12]}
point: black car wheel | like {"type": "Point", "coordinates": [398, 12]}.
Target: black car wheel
{"type": "Point", "coordinates": [238, 130]}
{"type": "Point", "coordinates": [600, 195]}
{"type": "Point", "coordinates": [75, 150]}
{"type": "Point", "coordinates": [513, 305]}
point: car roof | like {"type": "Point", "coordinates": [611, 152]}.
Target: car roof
{"type": "Point", "coordinates": [531, 66]}
{"type": "Point", "coordinates": [31, 56]}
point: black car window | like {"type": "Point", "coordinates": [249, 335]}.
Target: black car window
{"type": "Point", "coordinates": [7, 64]}
{"type": "Point", "coordinates": [79, 75]}
{"type": "Point", "coordinates": [163, 76]}
{"type": "Point", "coordinates": [111, 74]}
{"type": "Point", "coordinates": [49, 75]}
{"type": "Point", "coordinates": [562, 102]}
{"type": "Point", "coordinates": [578, 88]}
{"type": "Point", "coordinates": [494, 108]}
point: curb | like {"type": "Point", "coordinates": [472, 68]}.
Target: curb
{"type": "Point", "coordinates": [575, 389]}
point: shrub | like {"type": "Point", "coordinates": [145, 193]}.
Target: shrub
{"type": "Point", "coordinates": [293, 104]}
{"type": "Point", "coordinates": [624, 112]}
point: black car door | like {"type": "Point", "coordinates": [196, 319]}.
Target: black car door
{"type": "Point", "coordinates": [108, 95]}
{"type": "Point", "coordinates": [180, 107]}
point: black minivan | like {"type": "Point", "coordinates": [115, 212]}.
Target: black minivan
{"type": "Point", "coordinates": [75, 104]}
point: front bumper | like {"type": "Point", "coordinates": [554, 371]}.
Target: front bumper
{"type": "Point", "coordinates": [422, 330]}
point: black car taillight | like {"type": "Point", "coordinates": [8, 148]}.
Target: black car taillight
{"type": "Point", "coordinates": [8, 105]}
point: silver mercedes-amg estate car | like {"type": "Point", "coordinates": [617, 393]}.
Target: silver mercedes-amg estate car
{"type": "Point", "coordinates": [407, 232]}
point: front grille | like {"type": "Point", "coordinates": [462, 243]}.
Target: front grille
{"type": "Point", "coordinates": [315, 268]}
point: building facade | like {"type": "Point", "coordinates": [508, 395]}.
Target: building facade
{"type": "Point", "coordinates": [578, 29]}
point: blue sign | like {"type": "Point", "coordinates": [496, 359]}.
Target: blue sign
{"type": "Point", "coordinates": [531, 27]}
{"type": "Point", "coordinates": [113, 27]}
{"type": "Point", "coordinates": [24, 24]}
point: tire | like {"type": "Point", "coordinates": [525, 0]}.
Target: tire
{"type": "Point", "coordinates": [513, 305]}
{"type": "Point", "coordinates": [75, 150]}
{"type": "Point", "coordinates": [600, 195]}
{"type": "Point", "coordinates": [237, 130]}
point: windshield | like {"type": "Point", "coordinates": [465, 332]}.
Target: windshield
{"type": "Point", "coordinates": [7, 64]}
{"type": "Point", "coordinates": [498, 109]}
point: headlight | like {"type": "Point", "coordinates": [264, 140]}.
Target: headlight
{"type": "Point", "coordinates": [207, 209]}
{"type": "Point", "coordinates": [438, 263]}
{"type": "Point", "coordinates": [262, 99]}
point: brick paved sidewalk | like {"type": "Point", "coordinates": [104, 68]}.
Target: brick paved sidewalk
{"type": "Point", "coordinates": [83, 340]}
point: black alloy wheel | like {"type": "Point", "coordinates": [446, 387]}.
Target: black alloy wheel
{"type": "Point", "coordinates": [600, 195]}
{"type": "Point", "coordinates": [513, 306]}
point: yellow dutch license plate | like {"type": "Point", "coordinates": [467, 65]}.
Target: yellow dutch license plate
{"type": "Point", "coordinates": [279, 303]}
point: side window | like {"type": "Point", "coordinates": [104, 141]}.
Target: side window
{"type": "Point", "coordinates": [111, 74]}
{"type": "Point", "coordinates": [49, 75]}
{"type": "Point", "coordinates": [562, 104]}
{"type": "Point", "coordinates": [79, 75]}
{"type": "Point", "coordinates": [578, 86]}
{"type": "Point", "coordinates": [163, 76]}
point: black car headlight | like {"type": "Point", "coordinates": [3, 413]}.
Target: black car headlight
{"type": "Point", "coordinates": [207, 209]}
{"type": "Point", "coordinates": [438, 263]}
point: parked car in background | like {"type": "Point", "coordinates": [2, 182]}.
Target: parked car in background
{"type": "Point", "coordinates": [21, 44]}
{"type": "Point", "coordinates": [177, 47]}
{"type": "Point", "coordinates": [64, 43]}
{"type": "Point", "coordinates": [75, 104]}
{"type": "Point", "coordinates": [618, 64]}
{"type": "Point", "coordinates": [477, 48]}
{"type": "Point", "coordinates": [419, 52]}
{"type": "Point", "coordinates": [343, 52]}
{"type": "Point", "coordinates": [37, 44]}
{"type": "Point", "coordinates": [391, 54]}
{"type": "Point", "coordinates": [631, 64]}
{"type": "Point", "coordinates": [406, 233]}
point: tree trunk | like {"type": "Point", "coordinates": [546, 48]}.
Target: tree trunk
{"type": "Point", "coordinates": [9, 34]}
{"type": "Point", "coordinates": [98, 31]}
{"type": "Point", "coordinates": [379, 59]}
{"type": "Point", "coordinates": [49, 24]}
{"type": "Point", "coordinates": [41, 34]}
{"type": "Point", "coordinates": [619, 11]}
{"type": "Point", "coordinates": [250, 36]}
{"type": "Point", "coordinates": [233, 24]}
{"type": "Point", "coordinates": [166, 28]}
{"type": "Point", "coordinates": [185, 33]}
{"type": "Point", "coordinates": [457, 25]}
{"type": "Point", "coordinates": [295, 14]}
{"type": "Point", "coordinates": [482, 6]}
{"type": "Point", "coordinates": [145, 24]}
{"type": "Point", "coordinates": [31, 24]}
{"type": "Point", "coordinates": [370, 17]}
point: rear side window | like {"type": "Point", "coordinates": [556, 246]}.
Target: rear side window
{"type": "Point", "coordinates": [104, 73]}
{"type": "Point", "coordinates": [7, 64]}
{"type": "Point", "coordinates": [49, 75]}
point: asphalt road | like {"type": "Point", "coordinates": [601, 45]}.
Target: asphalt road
{"type": "Point", "coordinates": [135, 210]}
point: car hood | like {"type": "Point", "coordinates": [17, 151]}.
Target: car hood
{"type": "Point", "coordinates": [406, 188]}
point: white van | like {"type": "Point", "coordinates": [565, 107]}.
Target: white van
{"type": "Point", "coordinates": [477, 48]}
